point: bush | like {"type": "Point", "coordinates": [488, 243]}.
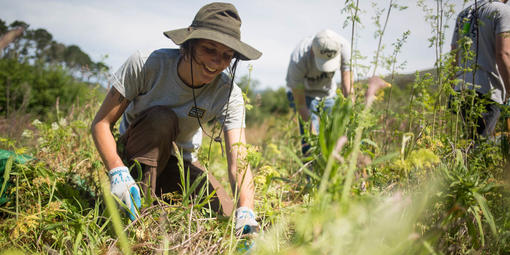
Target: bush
{"type": "Point", "coordinates": [39, 88]}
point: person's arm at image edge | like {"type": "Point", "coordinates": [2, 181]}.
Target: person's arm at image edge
{"type": "Point", "coordinates": [503, 59]}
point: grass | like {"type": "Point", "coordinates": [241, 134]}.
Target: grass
{"type": "Point", "coordinates": [59, 202]}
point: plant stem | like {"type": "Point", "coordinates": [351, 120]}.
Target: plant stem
{"type": "Point", "coordinates": [325, 176]}
{"type": "Point", "coordinates": [354, 18]}
{"type": "Point", "coordinates": [354, 154]}
{"type": "Point", "coordinates": [410, 118]}
{"type": "Point", "coordinates": [114, 214]}
{"type": "Point", "coordinates": [387, 112]}
{"type": "Point", "coordinates": [439, 63]}
{"type": "Point", "coordinates": [380, 38]}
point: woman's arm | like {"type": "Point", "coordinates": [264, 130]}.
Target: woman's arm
{"type": "Point", "coordinates": [110, 111]}
{"type": "Point", "coordinates": [239, 173]}
{"type": "Point", "coordinates": [122, 184]}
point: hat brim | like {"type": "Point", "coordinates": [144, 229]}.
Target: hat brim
{"type": "Point", "coordinates": [328, 65]}
{"type": "Point", "coordinates": [246, 52]}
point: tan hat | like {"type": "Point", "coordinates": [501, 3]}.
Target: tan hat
{"type": "Point", "coordinates": [326, 46]}
{"type": "Point", "coordinates": [219, 22]}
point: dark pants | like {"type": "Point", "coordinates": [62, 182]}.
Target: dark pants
{"type": "Point", "coordinates": [149, 141]}
{"type": "Point", "coordinates": [486, 123]}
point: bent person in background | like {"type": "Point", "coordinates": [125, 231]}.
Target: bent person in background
{"type": "Point", "coordinates": [165, 97]}
{"type": "Point", "coordinates": [482, 30]}
{"type": "Point", "coordinates": [312, 66]}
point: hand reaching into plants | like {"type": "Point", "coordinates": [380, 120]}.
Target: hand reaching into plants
{"type": "Point", "coordinates": [245, 221]}
{"type": "Point", "coordinates": [124, 187]}
{"type": "Point", "coordinates": [374, 85]}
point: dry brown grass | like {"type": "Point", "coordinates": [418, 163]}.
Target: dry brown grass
{"type": "Point", "coordinates": [13, 125]}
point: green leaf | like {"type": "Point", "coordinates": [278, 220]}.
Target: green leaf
{"type": "Point", "coordinates": [479, 223]}
{"type": "Point", "coordinates": [7, 172]}
{"type": "Point", "coordinates": [482, 202]}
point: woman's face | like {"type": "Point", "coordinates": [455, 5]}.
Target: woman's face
{"type": "Point", "coordinates": [210, 58]}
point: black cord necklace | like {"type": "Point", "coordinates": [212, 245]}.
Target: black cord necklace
{"type": "Point", "coordinates": [217, 138]}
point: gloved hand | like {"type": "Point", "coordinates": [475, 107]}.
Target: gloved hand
{"type": "Point", "coordinates": [124, 187]}
{"type": "Point", "coordinates": [245, 221]}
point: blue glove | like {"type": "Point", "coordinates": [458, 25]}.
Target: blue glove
{"type": "Point", "coordinates": [245, 221]}
{"type": "Point", "coordinates": [124, 187]}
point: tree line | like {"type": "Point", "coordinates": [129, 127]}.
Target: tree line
{"type": "Point", "coordinates": [37, 71]}
{"type": "Point", "coordinates": [39, 45]}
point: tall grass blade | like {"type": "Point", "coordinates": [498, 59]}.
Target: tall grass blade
{"type": "Point", "coordinates": [115, 216]}
{"type": "Point", "coordinates": [77, 241]}
{"type": "Point", "coordinates": [479, 224]}
{"type": "Point", "coordinates": [482, 202]}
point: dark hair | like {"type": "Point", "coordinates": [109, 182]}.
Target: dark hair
{"type": "Point", "coordinates": [187, 46]}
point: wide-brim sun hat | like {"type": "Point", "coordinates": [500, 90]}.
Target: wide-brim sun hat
{"type": "Point", "coordinates": [326, 46]}
{"type": "Point", "coordinates": [219, 22]}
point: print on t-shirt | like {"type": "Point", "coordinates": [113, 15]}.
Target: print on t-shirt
{"type": "Point", "coordinates": [196, 112]}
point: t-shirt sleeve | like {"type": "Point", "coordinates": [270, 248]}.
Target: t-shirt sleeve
{"type": "Point", "coordinates": [233, 113]}
{"type": "Point", "coordinates": [345, 56]}
{"type": "Point", "coordinates": [503, 20]}
{"type": "Point", "coordinates": [296, 71]}
{"type": "Point", "coordinates": [129, 79]}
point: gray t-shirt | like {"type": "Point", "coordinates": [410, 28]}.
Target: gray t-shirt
{"type": "Point", "coordinates": [493, 19]}
{"type": "Point", "coordinates": [151, 79]}
{"type": "Point", "coordinates": [303, 73]}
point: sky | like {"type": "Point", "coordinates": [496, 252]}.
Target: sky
{"type": "Point", "coordinates": [112, 30]}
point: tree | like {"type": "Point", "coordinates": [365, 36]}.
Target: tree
{"type": "Point", "coordinates": [36, 70]}
{"type": "Point", "coordinates": [43, 40]}
{"type": "Point", "coordinates": [56, 53]}
{"type": "Point", "coordinates": [38, 46]}
{"type": "Point", "coordinates": [3, 27]}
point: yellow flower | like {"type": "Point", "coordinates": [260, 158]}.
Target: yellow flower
{"type": "Point", "coordinates": [21, 150]}
{"type": "Point", "coordinates": [24, 225]}
{"type": "Point", "coordinates": [55, 206]}
{"type": "Point", "coordinates": [41, 180]}
{"type": "Point", "coordinates": [273, 149]}
{"type": "Point", "coordinates": [264, 172]}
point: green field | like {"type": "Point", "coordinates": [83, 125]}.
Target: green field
{"type": "Point", "coordinates": [400, 176]}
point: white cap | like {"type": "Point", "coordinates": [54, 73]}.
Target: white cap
{"type": "Point", "coordinates": [326, 48]}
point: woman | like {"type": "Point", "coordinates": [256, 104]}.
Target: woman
{"type": "Point", "coordinates": [165, 97]}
